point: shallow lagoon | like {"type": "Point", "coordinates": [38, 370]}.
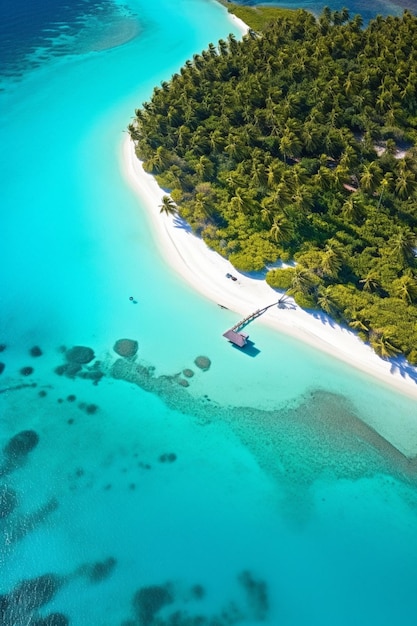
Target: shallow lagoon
{"type": "Point", "coordinates": [288, 511]}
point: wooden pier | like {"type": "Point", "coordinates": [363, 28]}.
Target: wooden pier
{"type": "Point", "coordinates": [234, 334]}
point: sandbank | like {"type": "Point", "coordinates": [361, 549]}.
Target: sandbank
{"type": "Point", "coordinates": [206, 271]}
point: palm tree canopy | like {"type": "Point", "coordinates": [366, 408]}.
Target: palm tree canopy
{"type": "Point", "coordinates": [297, 130]}
{"type": "Point", "coordinates": [168, 206]}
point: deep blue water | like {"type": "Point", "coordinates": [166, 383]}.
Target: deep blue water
{"type": "Point", "coordinates": [260, 494]}
{"type": "Point", "coordinates": [33, 30]}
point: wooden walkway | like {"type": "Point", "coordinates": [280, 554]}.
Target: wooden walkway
{"type": "Point", "coordinates": [234, 334]}
{"type": "Point", "coordinates": [252, 316]}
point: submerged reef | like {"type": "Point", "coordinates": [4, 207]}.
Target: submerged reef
{"type": "Point", "coordinates": [168, 457]}
{"type": "Point", "coordinates": [76, 360]}
{"type": "Point", "coordinates": [18, 527]}
{"type": "Point", "coordinates": [35, 351]}
{"type": "Point", "coordinates": [96, 572]}
{"type": "Point", "coordinates": [17, 449]}
{"type": "Point", "coordinates": [197, 592]}
{"type": "Point", "coordinates": [203, 362]}
{"type": "Point", "coordinates": [18, 387]}
{"type": "Point", "coordinates": [90, 409]}
{"type": "Point", "coordinates": [80, 355]}
{"type": "Point", "coordinates": [54, 619]}
{"type": "Point", "coordinates": [69, 369]}
{"type": "Point", "coordinates": [18, 606]}
{"type": "Point", "coordinates": [316, 424]}
{"type": "Point", "coordinates": [148, 601]}
{"type": "Point", "coordinates": [27, 370]}
{"type": "Point", "coordinates": [256, 594]}
{"type": "Point", "coordinates": [8, 501]}
{"type": "Point", "coordinates": [164, 605]}
{"type": "Point", "coordinates": [323, 429]}
{"type": "Point", "coordinates": [126, 347]}
{"type": "Point", "coordinates": [21, 444]}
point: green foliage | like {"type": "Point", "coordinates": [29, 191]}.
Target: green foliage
{"type": "Point", "coordinates": [255, 252]}
{"type": "Point", "coordinates": [412, 357]}
{"type": "Point", "coordinates": [286, 145]}
{"type": "Point", "coordinates": [280, 278]}
{"type": "Point", "coordinates": [305, 301]}
{"type": "Point", "coordinates": [257, 17]}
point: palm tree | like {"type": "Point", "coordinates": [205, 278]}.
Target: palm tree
{"type": "Point", "coordinates": [266, 213]}
{"type": "Point", "coordinates": [204, 168]}
{"type": "Point", "coordinates": [273, 173]}
{"type": "Point", "coordinates": [281, 196]}
{"type": "Point", "coordinates": [159, 160]}
{"type": "Point", "coordinates": [168, 206]}
{"type": "Point", "coordinates": [216, 141]}
{"type": "Point", "coordinates": [352, 209]}
{"type": "Point", "coordinates": [405, 288]}
{"type": "Point", "coordinates": [384, 185]}
{"type": "Point", "coordinates": [357, 321]}
{"type": "Point", "coordinates": [405, 184]}
{"type": "Point", "coordinates": [382, 344]}
{"type": "Point", "coordinates": [281, 229]}
{"type": "Point", "coordinates": [349, 158]}
{"type": "Point", "coordinates": [259, 175]}
{"type": "Point", "coordinates": [302, 281]}
{"type": "Point", "coordinates": [183, 135]}
{"type": "Point", "coordinates": [232, 43]}
{"type": "Point", "coordinates": [311, 138]}
{"type": "Point", "coordinates": [223, 48]}
{"type": "Point", "coordinates": [403, 244]}
{"type": "Point", "coordinates": [331, 262]}
{"type": "Point", "coordinates": [290, 144]}
{"type": "Point", "coordinates": [134, 132]}
{"type": "Point", "coordinates": [371, 176]}
{"type": "Point", "coordinates": [345, 15]}
{"type": "Point", "coordinates": [241, 201]}
{"type": "Point", "coordinates": [323, 178]}
{"type": "Point", "coordinates": [325, 301]}
{"type": "Point", "coordinates": [234, 147]}
{"type": "Point", "coordinates": [212, 49]}
{"type": "Point", "coordinates": [340, 175]}
{"type": "Point", "coordinates": [302, 198]}
{"type": "Point", "coordinates": [370, 283]}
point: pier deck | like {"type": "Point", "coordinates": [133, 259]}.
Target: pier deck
{"type": "Point", "coordinates": [238, 338]}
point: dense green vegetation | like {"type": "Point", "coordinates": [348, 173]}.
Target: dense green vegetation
{"type": "Point", "coordinates": [256, 17]}
{"type": "Point", "coordinates": [297, 145]}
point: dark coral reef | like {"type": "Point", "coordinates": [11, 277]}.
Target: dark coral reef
{"type": "Point", "coordinates": [126, 347]}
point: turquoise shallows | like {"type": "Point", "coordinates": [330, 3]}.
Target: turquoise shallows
{"type": "Point", "coordinates": [256, 494]}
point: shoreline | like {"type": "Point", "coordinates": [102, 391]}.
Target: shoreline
{"type": "Point", "coordinates": [205, 270]}
{"type": "Point", "coordinates": [240, 24]}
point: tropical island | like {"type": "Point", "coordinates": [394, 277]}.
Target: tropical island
{"type": "Point", "coordinates": [293, 152]}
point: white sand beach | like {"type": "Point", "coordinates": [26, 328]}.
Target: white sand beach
{"type": "Point", "coordinates": [206, 271]}
{"type": "Point", "coordinates": [240, 24]}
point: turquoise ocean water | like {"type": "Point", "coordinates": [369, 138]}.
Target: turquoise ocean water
{"type": "Point", "coordinates": [258, 494]}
